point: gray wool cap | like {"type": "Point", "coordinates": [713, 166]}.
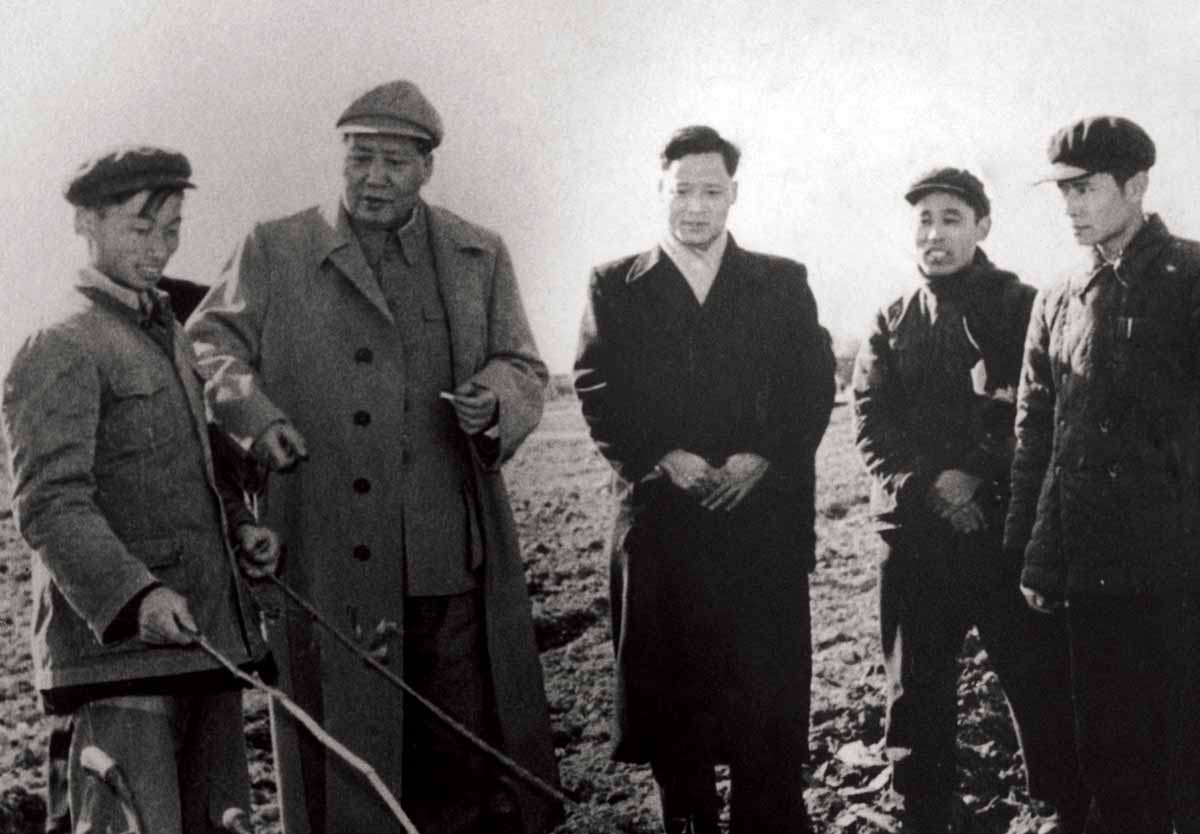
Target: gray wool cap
{"type": "Point", "coordinates": [397, 107]}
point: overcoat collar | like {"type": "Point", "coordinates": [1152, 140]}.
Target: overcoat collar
{"type": "Point", "coordinates": [337, 243]}
{"type": "Point", "coordinates": [462, 275]}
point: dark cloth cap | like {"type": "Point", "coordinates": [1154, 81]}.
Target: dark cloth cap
{"type": "Point", "coordinates": [958, 181]}
{"type": "Point", "coordinates": [127, 170]}
{"type": "Point", "coordinates": [396, 107]}
{"type": "Point", "coordinates": [1098, 144]}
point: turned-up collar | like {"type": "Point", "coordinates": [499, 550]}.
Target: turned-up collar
{"type": "Point", "coordinates": [1137, 255]}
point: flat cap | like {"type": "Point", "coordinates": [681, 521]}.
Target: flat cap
{"type": "Point", "coordinates": [1098, 144]}
{"type": "Point", "coordinates": [958, 181]}
{"type": "Point", "coordinates": [126, 170]}
{"type": "Point", "coordinates": [396, 107]}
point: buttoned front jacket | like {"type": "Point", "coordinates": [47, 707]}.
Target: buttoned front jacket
{"type": "Point", "coordinates": [934, 386]}
{"type": "Point", "coordinates": [1106, 478]}
{"type": "Point", "coordinates": [298, 328]}
{"type": "Point", "coordinates": [114, 491]}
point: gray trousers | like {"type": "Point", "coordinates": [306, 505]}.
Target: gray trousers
{"type": "Point", "coordinates": [183, 757]}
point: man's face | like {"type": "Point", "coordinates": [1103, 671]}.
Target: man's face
{"type": "Point", "coordinates": [131, 249]}
{"type": "Point", "coordinates": [383, 176]}
{"type": "Point", "coordinates": [947, 232]}
{"type": "Point", "coordinates": [1100, 210]}
{"type": "Point", "coordinates": [698, 192]}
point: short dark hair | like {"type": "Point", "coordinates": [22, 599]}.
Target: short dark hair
{"type": "Point", "coordinates": [153, 203]}
{"type": "Point", "coordinates": [695, 139]}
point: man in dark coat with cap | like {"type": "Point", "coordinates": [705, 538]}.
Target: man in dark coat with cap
{"type": "Point", "coordinates": [707, 383]}
{"type": "Point", "coordinates": [115, 490]}
{"type": "Point", "coordinates": [934, 391]}
{"type": "Point", "coordinates": [376, 352]}
{"type": "Point", "coordinates": [1106, 481]}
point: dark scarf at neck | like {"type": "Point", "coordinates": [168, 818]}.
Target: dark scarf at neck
{"type": "Point", "coordinates": [964, 283]}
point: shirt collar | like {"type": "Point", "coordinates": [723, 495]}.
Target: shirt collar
{"type": "Point", "coordinates": [689, 258]}
{"type": "Point", "coordinates": [413, 237]}
{"type": "Point", "coordinates": [95, 279]}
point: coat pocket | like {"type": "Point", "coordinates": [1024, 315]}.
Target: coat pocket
{"type": "Point", "coordinates": [139, 413]}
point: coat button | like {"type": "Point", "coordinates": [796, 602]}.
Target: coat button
{"type": "Point", "coordinates": [362, 418]}
{"type": "Point", "coordinates": [364, 355]}
{"type": "Point", "coordinates": [362, 553]}
{"type": "Point", "coordinates": [362, 486]}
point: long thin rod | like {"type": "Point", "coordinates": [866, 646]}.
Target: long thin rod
{"type": "Point", "coordinates": [514, 767]}
{"type": "Point", "coordinates": [321, 735]}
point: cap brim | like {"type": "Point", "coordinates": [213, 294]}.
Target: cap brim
{"type": "Point", "coordinates": [1062, 171]}
{"type": "Point", "coordinates": [387, 130]}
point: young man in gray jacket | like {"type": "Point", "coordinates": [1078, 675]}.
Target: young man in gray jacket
{"type": "Point", "coordinates": [114, 490]}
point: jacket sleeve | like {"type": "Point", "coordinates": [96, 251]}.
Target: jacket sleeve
{"type": "Point", "coordinates": [604, 385]}
{"type": "Point", "coordinates": [890, 456]}
{"type": "Point", "coordinates": [512, 369]}
{"type": "Point", "coordinates": [226, 332]}
{"type": "Point", "coordinates": [802, 387]}
{"type": "Point", "coordinates": [51, 408]}
{"type": "Point", "coordinates": [995, 410]}
{"type": "Point", "coordinates": [1035, 437]}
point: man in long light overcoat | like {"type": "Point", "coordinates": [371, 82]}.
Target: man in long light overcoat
{"type": "Point", "coordinates": [707, 383]}
{"type": "Point", "coordinates": [384, 340]}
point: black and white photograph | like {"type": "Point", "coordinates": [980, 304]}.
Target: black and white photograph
{"type": "Point", "coordinates": [531, 417]}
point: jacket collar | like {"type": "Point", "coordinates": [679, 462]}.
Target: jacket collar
{"type": "Point", "coordinates": [649, 259]}
{"type": "Point", "coordinates": [1138, 255]}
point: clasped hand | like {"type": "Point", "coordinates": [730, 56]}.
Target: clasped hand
{"type": "Point", "coordinates": [952, 497]}
{"type": "Point", "coordinates": [717, 488]}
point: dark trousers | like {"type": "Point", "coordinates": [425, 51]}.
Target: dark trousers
{"type": "Point", "coordinates": [933, 586]}
{"type": "Point", "coordinates": [449, 787]}
{"type": "Point", "coordinates": [753, 728]}
{"type": "Point", "coordinates": [1135, 678]}
{"type": "Point", "coordinates": [767, 794]}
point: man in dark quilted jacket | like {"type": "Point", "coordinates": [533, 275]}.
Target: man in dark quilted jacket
{"type": "Point", "coordinates": [1106, 480]}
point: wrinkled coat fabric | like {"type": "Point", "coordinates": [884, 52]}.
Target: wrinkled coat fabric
{"type": "Point", "coordinates": [114, 491]}
{"type": "Point", "coordinates": [1106, 478]}
{"type": "Point", "coordinates": [298, 327]}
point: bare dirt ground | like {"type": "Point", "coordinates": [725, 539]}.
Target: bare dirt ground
{"type": "Point", "coordinates": [559, 493]}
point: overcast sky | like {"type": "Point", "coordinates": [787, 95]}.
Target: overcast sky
{"type": "Point", "coordinates": [555, 112]}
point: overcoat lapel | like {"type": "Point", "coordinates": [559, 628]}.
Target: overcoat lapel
{"type": "Point", "coordinates": [342, 249]}
{"type": "Point", "coordinates": [461, 275]}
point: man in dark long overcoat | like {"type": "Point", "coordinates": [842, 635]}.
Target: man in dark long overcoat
{"type": "Point", "coordinates": [386, 339]}
{"type": "Point", "coordinates": [1106, 481]}
{"type": "Point", "coordinates": [707, 383]}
